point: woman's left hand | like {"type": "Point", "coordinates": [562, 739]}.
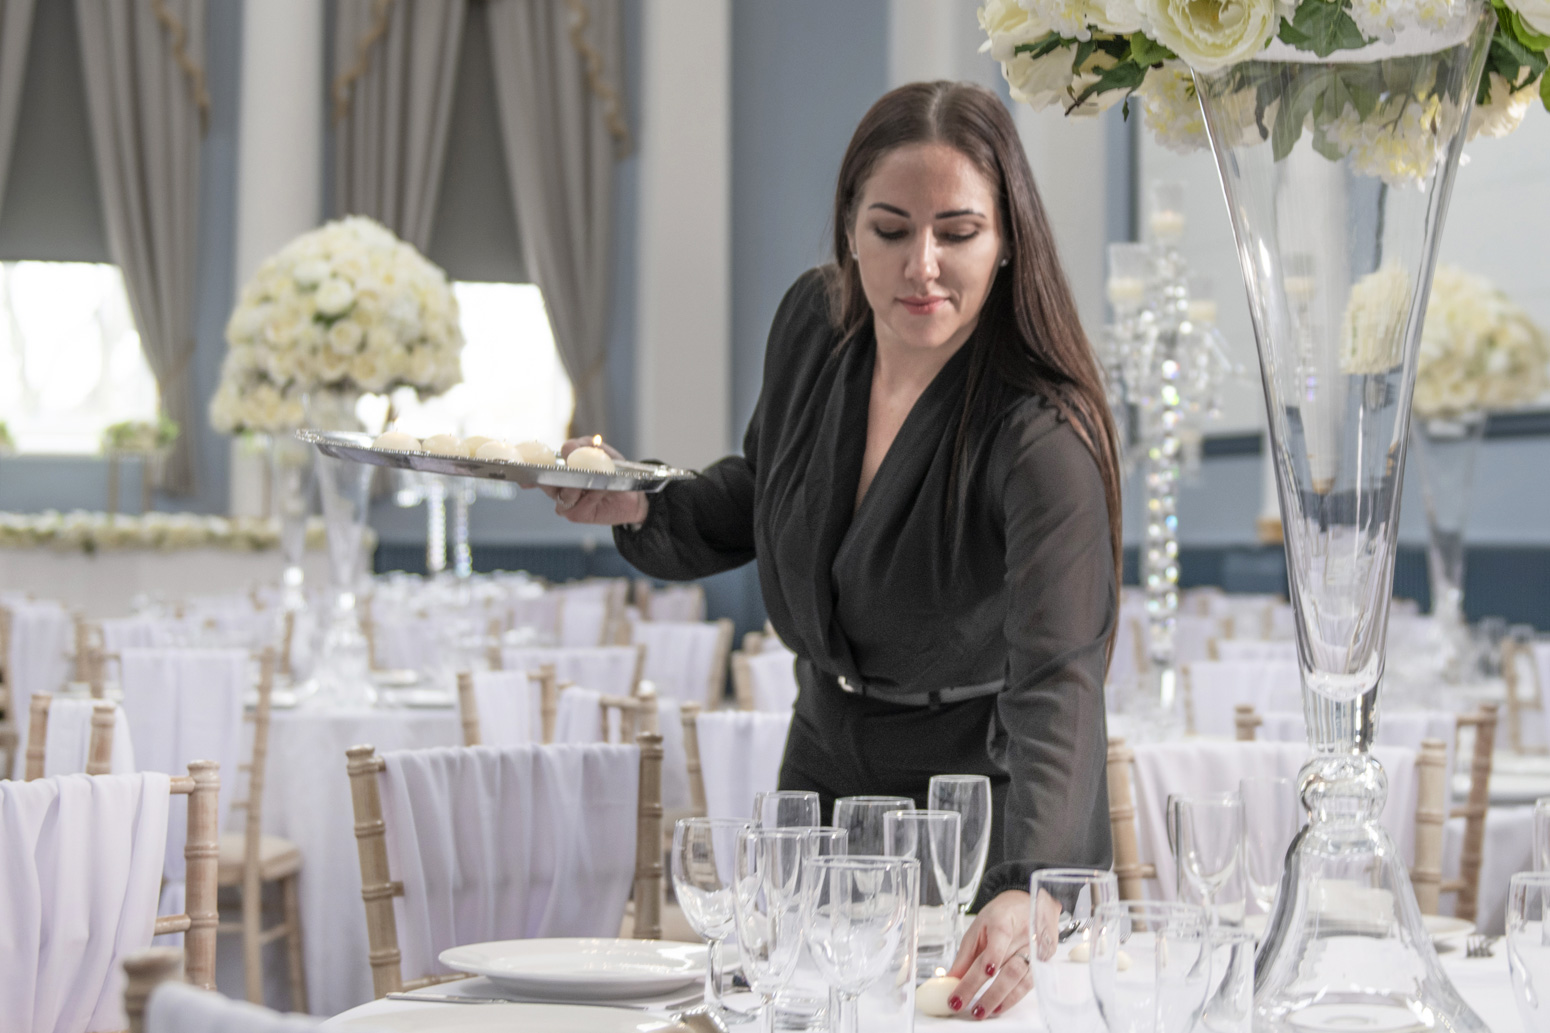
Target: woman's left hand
{"type": "Point", "coordinates": [994, 951]}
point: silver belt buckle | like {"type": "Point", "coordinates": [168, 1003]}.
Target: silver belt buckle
{"type": "Point", "coordinates": [846, 686]}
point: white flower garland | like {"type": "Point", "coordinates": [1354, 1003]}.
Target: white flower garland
{"type": "Point", "coordinates": [81, 531]}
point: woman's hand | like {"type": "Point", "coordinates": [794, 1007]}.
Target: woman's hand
{"type": "Point", "coordinates": [596, 507]}
{"type": "Point", "coordinates": [995, 952]}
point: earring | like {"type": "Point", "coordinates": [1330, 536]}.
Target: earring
{"type": "Point", "coordinates": [1004, 261]}
{"type": "Point", "coordinates": [856, 255]}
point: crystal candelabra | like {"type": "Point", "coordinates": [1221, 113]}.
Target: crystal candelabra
{"type": "Point", "coordinates": [1166, 364]}
{"type": "Point", "coordinates": [435, 491]}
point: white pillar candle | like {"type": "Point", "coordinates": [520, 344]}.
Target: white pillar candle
{"type": "Point", "coordinates": [1126, 290]}
{"type": "Point", "coordinates": [1202, 310]}
{"type": "Point", "coordinates": [1167, 225]}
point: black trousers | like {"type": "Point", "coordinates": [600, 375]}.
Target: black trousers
{"type": "Point", "coordinates": [842, 744]}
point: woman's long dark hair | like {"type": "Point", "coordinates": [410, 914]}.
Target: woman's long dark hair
{"type": "Point", "coordinates": [1033, 340]}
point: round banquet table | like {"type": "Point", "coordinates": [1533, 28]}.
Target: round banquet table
{"type": "Point", "coordinates": [307, 800]}
{"type": "Point", "coordinates": [1483, 983]}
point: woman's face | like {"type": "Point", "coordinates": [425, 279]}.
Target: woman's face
{"type": "Point", "coordinates": [928, 241]}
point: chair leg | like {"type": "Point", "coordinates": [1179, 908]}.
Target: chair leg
{"type": "Point", "coordinates": [252, 940]}
{"type": "Point", "coordinates": [293, 944]}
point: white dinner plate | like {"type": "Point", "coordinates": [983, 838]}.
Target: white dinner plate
{"type": "Point", "coordinates": [429, 699]}
{"type": "Point", "coordinates": [395, 678]}
{"type": "Point", "coordinates": [1440, 928]}
{"type": "Point", "coordinates": [413, 1017]}
{"type": "Point", "coordinates": [567, 968]}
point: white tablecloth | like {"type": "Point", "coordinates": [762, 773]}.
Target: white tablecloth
{"type": "Point", "coordinates": [103, 584]}
{"type": "Point", "coordinates": [1483, 983]}
{"type": "Point", "coordinates": [307, 800]}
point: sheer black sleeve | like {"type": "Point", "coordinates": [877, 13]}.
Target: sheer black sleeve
{"type": "Point", "coordinates": [1062, 607]}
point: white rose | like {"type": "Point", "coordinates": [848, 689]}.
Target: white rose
{"type": "Point", "coordinates": [310, 272]}
{"type": "Point", "coordinates": [1535, 14]}
{"type": "Point", "coordinates": [1008, 24]}
{"type": "Point", "coordinates": [369, 371]}
{"type": "Point", "coordinates": [1212, 34]}
{"type": "Point", "coordinates": [1074, 19]}
{"type": "Point", "coordinates": [422, 367]}
{"type": "Point", "coordinates": [345, 337]}
{"type": "Point", "coordinates": [334, 297]}
{"type": "Point", "coordinates": [1504, 112]}
{"type": "Point", "coordinates": [332, 367]}
{"type": "Point", "coordinates": [1039, 82]}
{"type": "Point", "coordinates": [1171, 108]}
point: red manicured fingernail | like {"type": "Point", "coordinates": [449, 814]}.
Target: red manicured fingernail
{"type": "Point", "coordinates": [979, 1011]}
{"type": "Point", "coordinates": [990, 970]}
{"type": "Point", "coordinates": [955, 1003]}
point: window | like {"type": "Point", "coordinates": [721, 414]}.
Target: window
{"type": "Point", "coordinates": [514, 385]}
{"type": "Point", "coordinates": [70, 358]}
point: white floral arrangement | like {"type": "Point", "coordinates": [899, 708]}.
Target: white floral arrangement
{"type": "Point", "coordinates": [81, 531]}
{"type": "Point", "coordinates": [348, 309]}
{"type": "Point", "coordinates": [1480, 351]}
{"type": "Point", "coordinates": [1087, 55]}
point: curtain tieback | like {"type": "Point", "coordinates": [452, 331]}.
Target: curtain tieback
{"type": "Point", "coordinates": [597, 82]}
{"type": "Point", "coordinates": [178, 40]}
{"type": "Point", "coordinates": [344, 82]}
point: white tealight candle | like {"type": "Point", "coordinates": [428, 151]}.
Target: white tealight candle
{"type": "Point", "coordinates": [398, 441]}
{"type": "Point", "coordinates": [1300, 288]}
{"type": "Point", "coordinates": [475, 442]}
{"type": "Point", "coordinates": [1202, 310]}
{"type": "Point", "coordinates": [1167, 224]}
{"type": "Point", "coordinates": [932, 995]}
{"type": "Point", "coordinates": [591, 459]}
{"type": "Point", "coordinates": [536, 452]}
{"type": "Point", "coordinates": [444, 445]}
{"type": "Point", "coordinates": [1126, 290]}
{"type": "Point", "coordinates": [498, 450]}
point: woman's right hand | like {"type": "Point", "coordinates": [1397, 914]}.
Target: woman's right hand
{"type": "Point", "coordinates": [581, 506]}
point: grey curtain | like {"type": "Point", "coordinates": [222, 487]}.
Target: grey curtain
{"type": "Point", "coordinates": [15, 33]}
{"type": "Point", "coordinates": [561, 129]}
{"type": "Point", "coordinates": [143, 64]}
{"type": "Point", "coordinates": [395, 72]}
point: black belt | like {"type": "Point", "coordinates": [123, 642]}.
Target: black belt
{"type": "Point", "coordinates": [933, 698]}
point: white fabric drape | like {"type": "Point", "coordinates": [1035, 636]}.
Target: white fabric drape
{"type": "Point", "coordinates": [560, 154]}
{"type": "Point", "coordinates": [497, 844]}
{"type": "Point", "coordinates": [774, 677]}
{"type": "Point", "coordinates": [681, 658]}
{"type": "Point", "coordinates": [80, 861]}
{"type": "Point", "coordinates": [38, 661]}
{"type": "Point", "coordinates": [15, 34]}
{"type": "Point", "coordinates": [69, 739]}
{"type": "Point", "coordinates": [180, 1008]}
{"type": "Point", "coordinates": [510, 710]}
{"type": "Point", "coordinates": [606, 669]}
{"type": "Point", "coordinates": [144, 109]}
{"type": "Point", "coordinates": [740, 754]}
{"type": "Point", "coordinates": [393, 106]}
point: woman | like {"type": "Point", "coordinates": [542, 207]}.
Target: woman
{"type": "Point", "coordinates": [930, 486]}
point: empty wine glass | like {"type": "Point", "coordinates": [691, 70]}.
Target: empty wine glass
{"type": "Point", "coordinates": [1528, 947]}
{"type": "Point", "coordinates": [969, 795]}
{"type": "Point", "coordinates": [768, 908]}
{"type": "Point", "coordinates": [1151, 963]}
{"type": "Point", "coordinates": [933, 838]}
{"type": "Point", "coordinates": [785, 808]}
{"type": "Point", "coordinates": [1064, 904]}
{"type": "Point", "coordinates": [703, 871]}
{"type": "Point", "coordinates": [1272, 814]}
{"type": "Point", "coordinates": [855, 913]}
{"type": "Point", "coordinates": [862, 817]}
{"type": "Point", "coordinates": [1207, 842]}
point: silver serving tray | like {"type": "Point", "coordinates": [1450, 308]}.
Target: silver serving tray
{"type": "Point", "coordinates": [628, 477]}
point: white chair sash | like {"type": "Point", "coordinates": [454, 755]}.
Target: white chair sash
{"type": "Point", "coordinates": [740, 755]}
{"type": "Point", "coordinates": [80, 863]}
{"type": "Point", "coordinates": [606, 669]}
{"type": "Point", "coordinates": [774, 679]}
{"type": "Point", "coordinates": [39, 659]}
{"type": "Point", "coordinates": [680, 657]}
{"type": "Point", "coordinates": [69, 738]}
{"type": "Point", "coordinates": [510, 708]}
{"type": "Point", "coordinates": [494, 844]}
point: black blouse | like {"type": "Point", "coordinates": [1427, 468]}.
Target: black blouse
{"type": "Point", "coordinates": [1014, 580]}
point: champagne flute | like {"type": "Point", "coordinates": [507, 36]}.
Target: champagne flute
{"type": "Point", "coordinates": [703, 853]}
{"type": "Point", "coordinates": [933, 838]}
{"type": "Point", "coordinates": [862, 817]}
{"type": "Point", "coordinates": [1528, 947]}
{"type": "Point", "coordinates": [1272, 814]}
{"type": "Point", "coordinates": [768, 909]}
{"type": "Point", "coordinates": [1061, 928]}
{"type": "Point", "coordinates": [969, 795]}
{"type": "Point", "coordinates": [854, 914]}
{"type": "Point", "coordinates": [785, 808]}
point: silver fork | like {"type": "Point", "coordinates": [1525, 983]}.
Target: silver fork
{"type": "Point", "coordinates": [1479, 947]}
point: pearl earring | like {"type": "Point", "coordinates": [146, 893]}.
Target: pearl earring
{"type": "Point", "coordinates": [1004, 261]}
{"type": "Point", "coordinates": [856, 255]}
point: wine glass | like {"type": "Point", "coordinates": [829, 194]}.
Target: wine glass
{"type": "Point", "coordinates": [1064, 904]}
{"type": "Point", "coordinates": [786, 808]}
{"type": "Point", "coordinates": [862, 817]}
{"type": "Point", "coordinates": [969, 795]}
{"type": "Point", "coordinates": [855, 912]}
{"type": "Point", "coordinates": [768, 908]}
{"type": "Point", "coordinates": [1528, 948]}
{"type": "Point", "coordinates": [703, 853]}
{"type": "Point", "coordinates": [1207, 842]}
{"type": "Point", "coordinates": [1150, 965]}
{"type": "Point", "coordinates": [933, 838]}
{"type": "Point", "coordinates": [1272, 814]}
{"type": "Point", "coordinates": [801, 1005]}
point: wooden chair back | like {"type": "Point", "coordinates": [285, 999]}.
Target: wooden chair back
{"type": "Point", "coordinates": [201, 853]}
{"type": "Point", "coordinates": [636, 714]}
{"type": "Point", "coordinates": [468, 709]}
{"type": "Point", "coordinates": [1128, 868]}
{"type": "Point", "coordinates": [378, 888]}
{"type": "Point", "coordinates": [1476, 804]}
{"type": "Point", "coordinates": [253, 832]}
{"type": "Point", "coordinates": [548, 704]}
{"type": "Point", "coordinates": [99, 749]}
{"type": "Point", "coordinates": [146, 970]}
{"type": "Point", "coordinates": [689, 714]}
{"type": "Point", "coordinates": [1431, 810]}
{"type": "Point", "coordinates": [1246, 722]}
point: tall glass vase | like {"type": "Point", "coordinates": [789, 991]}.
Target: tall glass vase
{"type": "Point", "coordinates": [1337, 174]}
{"type": "Point", "coordinates": [341, 675]}
{"type": "Point", "coordinates": [1447, 450]}
{"type": "Point", "coordinates": [290, 480]}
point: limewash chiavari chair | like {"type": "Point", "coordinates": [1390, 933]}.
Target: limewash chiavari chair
{"type": "Point", "coordinates": [689, 714]}
{"type": "Point", "coordinates": [99, 749]}
{"type": "Point", "coordinates": [548, 704]}
{"type": "Point", "coordinates": [249, 859]}
{"type": "Point", "coordinates": [378, 888]}
{"type": "Point", "coordinates": [156, 1000]}
{"type": "Point", "coordinates": [201, 854]}
{"type": "Point", "coordinates": [706, 644]}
